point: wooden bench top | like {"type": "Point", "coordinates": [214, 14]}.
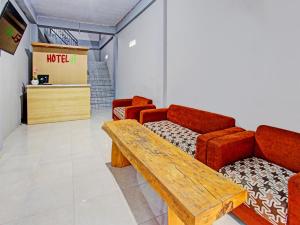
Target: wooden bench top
{"type": "Point", "coordinates": [196, 193]}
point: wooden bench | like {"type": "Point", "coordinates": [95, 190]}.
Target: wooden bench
{"type": "Point", "coordinates": [195, 194]}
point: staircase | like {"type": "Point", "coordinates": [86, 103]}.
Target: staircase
{"type": "Point", "coordinates": [60, 36]}
{"type": "Point", "coordinates": [102, 89]}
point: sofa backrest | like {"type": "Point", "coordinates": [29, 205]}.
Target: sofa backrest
{"type": "Point", "coordinates": [138, 100]}
{"type": "Point", "coordinates": [278, 146]}
{"type": "Point", "coordinates": [197, 120]}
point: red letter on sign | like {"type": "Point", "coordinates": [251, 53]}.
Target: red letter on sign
{"type": "Point", "coordinates": [53, 58]}
{"type": "Point", "coordinates": [63, 58]}
{"type": "Point", "coordinates": [17, 38]}
{"type": "Point", "coordinates": [58, 58]}
{"type": "Point", "coordinates": [49, 58]}
{"type": "Point", "coordinates": [67, 60]}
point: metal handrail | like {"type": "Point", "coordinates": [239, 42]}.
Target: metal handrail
{"type": "Point", "coordinates": [64, 35]}
{"type": "Point", "coordinates": [72, 36]}
{"type": "Point", "coordinates": [56, 34]}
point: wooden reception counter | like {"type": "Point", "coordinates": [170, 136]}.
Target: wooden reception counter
{"type": "Point", "coordinates": [56, 103]}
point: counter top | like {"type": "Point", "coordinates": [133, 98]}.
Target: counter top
{"type": "Point", "coordinates": [46, 45]}
{"type": "Point", "coordinates": [58, 86]}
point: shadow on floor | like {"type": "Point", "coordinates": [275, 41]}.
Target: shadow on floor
{"type": "Point", "coordinates": [146, 206]}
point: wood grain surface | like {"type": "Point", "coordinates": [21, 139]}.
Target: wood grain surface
{"type": "Point", "coordinates": [194, 193]}
{"type": "Point", "coordinates": [47, 105]}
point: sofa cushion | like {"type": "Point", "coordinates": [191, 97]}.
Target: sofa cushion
{"type": "Point", "coordinates": [279, 146]}
{"type": "Point", "coordinates": [120, 112]}
{"type": "Point", "coordinates": [267, 186]}
{"type": "Point", "coordinates": [137, 100]}
{"type": "Point", "coordinates": [197, 120]}
{"type": "Point", "coordinates": [180, 136]}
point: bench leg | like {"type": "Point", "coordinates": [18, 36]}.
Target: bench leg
{"type": "Point", "coordinates": [173, 219]}
{"type": "Point", "coordinates": [117, 158]}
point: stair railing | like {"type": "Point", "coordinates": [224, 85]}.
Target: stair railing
{"type": "Point", "coordinates": [65, 36]}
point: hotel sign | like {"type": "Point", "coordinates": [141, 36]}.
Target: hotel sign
{"type": "Point", "coordinates": [61, 58]}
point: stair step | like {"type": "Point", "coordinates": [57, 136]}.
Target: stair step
{"type": "Point", "coordinates": [101, 85]}
{"type": "Point", "coordinates": [95, 78]}
{"type": "Point", "coordinates": [96, 67]}
{"type": "Point", "coordinates": [99, 77]}
{"type": "Point", "coordinates": [97, 92]}
{"type": "Point", "coordinates": [100, 66]}
{"type": "Point", "coordinates": [102, 93]}
{"type": "Point", "coordinates": [108, 95]}
{"type": "Point", "coordinates": [102, 89]}
{"type": "Point", "coordinates": [98, 74]}
{"type": "Point", "coordinates": [102, 81]}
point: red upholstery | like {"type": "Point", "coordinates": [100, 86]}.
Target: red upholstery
{"type": "Point", "coordinates": [137, 100]}
{"type": "Point", "coordinates": [249, 216]}
{"type": "Point", "coordinates": [133, 106]}
{"type": "Point", "coordinates": [276, 145]}
{"type": "Point", "coordinates": [279, 146]}
{"type": "Point", "coordinates": [121, 102]}
{"type": "Point", "coordinates": [205, 138]}
{"type": "Point", "coordinates": [294, 200]}
{"type": "Point", "coordinates": [133, 112]}
{"type": "Point", "coordinates": [197, 120]}
{"type": "Point", "coordinates": [152, 115]}
{"type": "Point", "coordinates": [227, 149]}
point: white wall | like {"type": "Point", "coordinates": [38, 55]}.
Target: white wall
{"type": "Point", "coordinates": [239, 58]}
{"type": "Point", "coordinates": [281, 102]}
{"type": "Point", "coordinates": [140, 68]}
{"type": "Point", "coordinates": [109, 50]}
{"type": "Point", "coordinates": [90, 40]}
{"type": "Point", "coordinates": [14, 71]}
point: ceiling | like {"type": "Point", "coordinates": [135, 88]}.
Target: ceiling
{"type": "Point", "coordinates": [100, 12]}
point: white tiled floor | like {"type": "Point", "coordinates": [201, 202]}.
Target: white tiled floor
{"type": "Point", "coordinates": [59, 174]}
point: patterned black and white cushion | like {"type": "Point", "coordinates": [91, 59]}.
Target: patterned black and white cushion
{"type": "Point", "coordinates": [182, 137]}
{"type": "Point", "coordinates": [267, 186]}
{"type": "Point", "coordinates": [120, 112]}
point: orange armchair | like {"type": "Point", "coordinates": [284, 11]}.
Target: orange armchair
{"type": "Point", "coordinates": [267, 164]}
{"type": "Point", "coordinates": [130, 108]}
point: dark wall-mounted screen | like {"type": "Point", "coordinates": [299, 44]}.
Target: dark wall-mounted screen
{"type": "Point", "coordinates": [12, 28]}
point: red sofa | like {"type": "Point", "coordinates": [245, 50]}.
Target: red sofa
{"type": "Point", "coordinates": [130, 108]}
{"type": "Point", "coordinates": [188, 128]}
{"type": "Point", "coordinates": [267, 164]}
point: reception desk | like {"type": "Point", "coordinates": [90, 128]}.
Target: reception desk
{"type": "Point", "coordinates": [56, 103]}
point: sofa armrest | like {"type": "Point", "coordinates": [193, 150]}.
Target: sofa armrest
{"type": "Point", "coordinates": [294, 200]}
{"type": "Point", "coordinates": [202, 141]}
{"type": "Point", "coordinates": [121, 102]}
{"type": "Point", "coordinates": [228, 149]}
{"type": "Point", "coordinates": [152, 115]}
{"type": "Point", "coordinates": [133, 112]}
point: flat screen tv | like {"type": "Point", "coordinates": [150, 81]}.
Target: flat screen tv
{"type": "Point", "coordinates": [12, 28]}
